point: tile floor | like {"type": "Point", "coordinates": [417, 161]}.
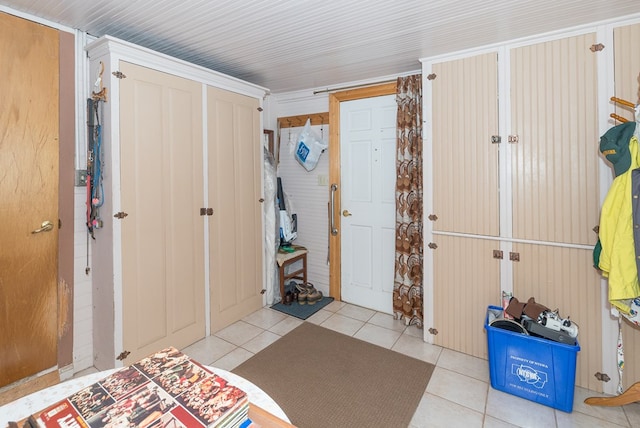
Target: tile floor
{"type": "Point", "coordinates": [458, 394]}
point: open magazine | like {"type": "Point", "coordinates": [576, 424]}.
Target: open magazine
{"type": "Point", "coordinates": [166, 389]}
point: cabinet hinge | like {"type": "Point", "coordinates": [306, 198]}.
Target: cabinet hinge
{"type": "Point", "coordinates": [120, 215]}
{"type": "Point", "coordinates": [123, 355]}
{"type": "Point", "coordinates": [596, 47]}
{"type": "Point", "coordinates": [432, 217]}
{"type": "Point", "coordinates": [514, 257]}
{"type": "Point", "coordinates": [432, 76]}
{"type": "Point", "coordinates": [498, 254]}
{"type": "Point", "coordinates": [119, 74]}
{"type": "Point", "coordinates": [433, 331]}
{"type": "Point", "coordinates": [432, 245]}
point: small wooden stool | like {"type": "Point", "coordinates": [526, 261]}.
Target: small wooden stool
{"type": "Point", "coordinates": [285, 259]}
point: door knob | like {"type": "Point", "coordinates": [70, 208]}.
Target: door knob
{"type": "Point", "coordinates": [44, 227]}
{"type": "Point", "coordinates": [346, 213]}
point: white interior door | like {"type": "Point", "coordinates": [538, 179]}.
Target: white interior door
{"type": "Point", "coordinates": [367, 153]}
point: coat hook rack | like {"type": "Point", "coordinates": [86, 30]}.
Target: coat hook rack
{"type": "Point", "coordinates": [623, 103]}
{"type": "Point", "coordinates": [299, 121]}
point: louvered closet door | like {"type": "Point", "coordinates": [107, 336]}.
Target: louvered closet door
{"type": "Point", "coordinates": [627, 83]}
{"type": "Point", "coordinates": [555, 194]}
{"type": "Point", "coordinates": [465, 200]}
{"type": "Point", "coordinates": [162, 193]}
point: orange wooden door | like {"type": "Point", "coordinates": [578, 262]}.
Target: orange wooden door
{"type": "Point", "coordinates": [29, 56]}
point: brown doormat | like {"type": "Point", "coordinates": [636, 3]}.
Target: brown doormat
{"type": "Point", "coordinates": [321, 378]}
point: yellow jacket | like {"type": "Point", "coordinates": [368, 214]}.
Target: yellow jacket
{"type": "Point", "coordinates": [617, 259]}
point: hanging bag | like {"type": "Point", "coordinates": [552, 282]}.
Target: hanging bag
{"type": "Point", "coordinates": [309, 147]}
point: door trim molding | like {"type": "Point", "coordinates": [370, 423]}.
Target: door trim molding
{"type": "Point", "coordinates": [335, 285]}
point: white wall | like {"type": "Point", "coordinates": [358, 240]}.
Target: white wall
{"type": "Point", "coordinates": [82, 295]}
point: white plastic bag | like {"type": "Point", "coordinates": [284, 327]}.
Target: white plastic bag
{"type": "Point", "coordinates": [309, 147]}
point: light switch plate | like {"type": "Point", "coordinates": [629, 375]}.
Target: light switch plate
{"type": "Point", "coordinates": [81, 177]}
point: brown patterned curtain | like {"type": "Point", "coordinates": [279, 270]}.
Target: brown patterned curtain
{"type": "Point", "coordinates": [407, 288]}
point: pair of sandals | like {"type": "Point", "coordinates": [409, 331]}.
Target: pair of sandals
{"type": "Point", "coordinates": [307, 294]}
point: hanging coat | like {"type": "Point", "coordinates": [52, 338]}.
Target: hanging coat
{"type": "Point", "coordinates": [617, 259]}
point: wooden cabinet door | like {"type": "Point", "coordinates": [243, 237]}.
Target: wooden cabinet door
{"type": "Point", "coordinates": [465, 161]}
{"type": "Point", "coordinates": [554, 114]}
{"type": "Point", "coordinates": [235, 182]}
{"type": "Point", "coordinates": [564, 279]}
{"type": "Point", "coordinates": [548, 192]}
{"type": "Point", "coordinates": [466, 280]}
{"type": "Point", "coordinates": [29, 146]}
{"type": "Point", "coordinates": [161, 166]}
{"type": "Point", "coordinates": [465, 199]}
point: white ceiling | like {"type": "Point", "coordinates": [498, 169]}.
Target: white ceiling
{"type": "Point", "coordinates": [288, 45]}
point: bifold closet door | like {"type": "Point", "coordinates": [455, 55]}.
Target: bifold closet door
{"type": "Point", "coordinates": [235, 181]}
{"type": "Point", "coordinates": [161, 169]}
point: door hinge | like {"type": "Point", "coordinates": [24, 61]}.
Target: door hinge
{"type": "Point", "coordinates": [514, 257]}
{"type": "Point", "coordinates": [123, 355]}
{"type": "Point", "coordinates": [432, 245]}
{"type": "Point", "coordinates": [120, 215]}
{"type": "Point", "coordinates": [498, 254]}
{"type": "Point", "coordinates": [433, 217]}
{"type": "Point", "coordinates": [596, 47]}
{"type": "Point", "coordinates": [119, 74]}
{"type": "Point", "coordinates": [433, 331]}
{"type": "Point", "coordinates": [513, 139]}
{"type": "Point", "coordinates": [496, 139]}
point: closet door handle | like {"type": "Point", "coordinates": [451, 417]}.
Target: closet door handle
{"type": "Point", "coordinates": [334, 230]}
